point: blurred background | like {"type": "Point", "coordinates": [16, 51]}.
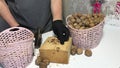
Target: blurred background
{"type": "Point", "coordinates": [85, 6]}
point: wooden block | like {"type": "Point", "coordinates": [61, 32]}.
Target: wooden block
{"type": "Point", "coordinates": [51, 49]}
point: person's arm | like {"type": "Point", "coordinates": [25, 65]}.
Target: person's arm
{"type": "Point", "coordinates": [59, 28]}
{"type": "Point", "coordinates": [56, 7]}
{"type": "Point", "coordinates": [6, 14]}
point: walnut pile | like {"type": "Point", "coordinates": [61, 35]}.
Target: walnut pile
{"type": "Point", "coordinates": [79, 51]}
{"type": "Point", "coordinates": [42, 63]}
{"type": "Point", "coordinates": [84, 21]}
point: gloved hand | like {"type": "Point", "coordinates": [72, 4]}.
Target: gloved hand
{"type": "Point", "coordinates": [60, 31]}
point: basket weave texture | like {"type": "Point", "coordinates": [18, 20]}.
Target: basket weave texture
{"type": "Point", "coordinates": [86, 38]}
{"type": "Point", "coordinates": [16, 47]}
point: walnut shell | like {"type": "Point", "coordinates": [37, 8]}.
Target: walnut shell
{"type": "Point", "coordinates": [77, 27]}
{"type": "Point", "coordinates": [38, 60]}
{"type": "Point", "coordinates": [91, 24]}
{"type": "Point", "coordinates": [46, 61]}
{"type": "Point", "coordinates": [79, 51]}
{"type": "Point", "coordinates": [88, 53]}
{"type": "Point", "coordinates": [72, 20]}
{"type": "Point", "coordinates": [78, 20]}
{"type": "Point", "coordinates": [42, 65]}
{"type": "Point", "coordinates": [83, 27]}
{"type": "Point", "coordinates": [73, 51]}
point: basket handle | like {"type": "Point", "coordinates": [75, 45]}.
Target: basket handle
{"type": "Point", "coordinates": [14, 29]}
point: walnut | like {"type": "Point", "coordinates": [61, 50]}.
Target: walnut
{"type": "Point", "coordinates": [88, 53]}
{"type": "Point", "coordinates": [46, 61]}
{"type": "Point", "coordinates": [79, 51]}
{"type": "Point", "coordinates": [78, 20]}
{"type": "Point", "coordinates": [42, 65]}
{"type": "Point", "coordinates": [91, 24]}
{"type": "Point", "coordinates": [77, 27]}
{"type": "Point", "coordinates": [75, 24]}
{"type": "Point", "coordinates": [83, 27]}
{"type": "Point", "coordinates": [88, 15]}
{"type": "Point", "coordinates": [73, 51]}
{"type": "Point", "coordinates": [82, 17]}
{"type": "Point", "coordinates": [72, 20]}
{"type": "Point", "coordinates": [38, 60]}
{"type": "Point", "coordinates": [79, 15]}
{"type": "Point", "coordinates": [75, 15]}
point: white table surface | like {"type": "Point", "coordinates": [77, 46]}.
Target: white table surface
{"type": "Point", "coordinates": [105, 55]}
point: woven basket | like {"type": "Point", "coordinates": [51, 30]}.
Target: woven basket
{"type": "Point", "coordinates": [86, 38]}
{"type": "Point", "coordinates": [16, 47]}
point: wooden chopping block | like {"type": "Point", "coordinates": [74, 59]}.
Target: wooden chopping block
{"type": "Point", "coordinates": [52, 50]}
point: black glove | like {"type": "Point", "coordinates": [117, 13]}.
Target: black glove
{"type": "Point", "coordinates": [61, 31]}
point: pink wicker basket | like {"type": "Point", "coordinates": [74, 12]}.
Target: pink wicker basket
{"type": "Point", "coordinates": [86, 38]}
{"type": "Point", "coordinates": [16, 47]}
